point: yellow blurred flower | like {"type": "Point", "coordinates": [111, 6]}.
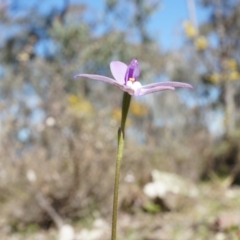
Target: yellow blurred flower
{"type": "Point", "coordinates": [233, 75]}
{"type": "Point", "coordinates": [79, 104]}
{"type": "Point", "coordinates": [200, 43]}
{"type": "Point", "coordinates": [214, 78]}
{"type": "Point", "coordinates": [232, 64]}
{"type": "Point", "coordinates": [138, 109]}
{"type": "Point", "coordinates": [189, 29]}
{"type": "Point", "coordinates": [116, 113]}
{"type": "Point", "coordinates": [72, 99]}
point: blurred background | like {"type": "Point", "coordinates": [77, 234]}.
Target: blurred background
{"type": "Point", "coordinates": [181, 166]}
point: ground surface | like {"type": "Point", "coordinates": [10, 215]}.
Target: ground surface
{"type": "Point", "coordinates": [213, 215]}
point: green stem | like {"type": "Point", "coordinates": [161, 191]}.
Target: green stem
{"type": "Point", "coordinates": [125, 108]}
{"type": "Point", "coordinates": [116, 183]}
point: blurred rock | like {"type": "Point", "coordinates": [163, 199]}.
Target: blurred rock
{"type": "Point", "coordinates": [220, 236]}
{"type": "Point", "coordinates": [170, 191]}
{"type": "Point", "coordinates": [31, 175]}
{"type": "Point", "coordinates": [100, 230]}
{"type": "Point", "coordinates": [66, 232]}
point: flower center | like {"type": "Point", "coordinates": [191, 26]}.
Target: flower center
{"type": "Point", "coordinates": [134, 84]}
{"type": "Point", "coordinates": [131, 80]}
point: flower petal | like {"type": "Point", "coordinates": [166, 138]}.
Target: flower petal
{"type": "Point", "coordinates": [107, 80]}
{"type": "Point", "coordinates": [98, 77]}
{"type": "Point", "coordinates": [144, 91]}
{"type": "Point", "coordinates": [118, 70]}
{"type": "Point", "coordinates": [168, 84]}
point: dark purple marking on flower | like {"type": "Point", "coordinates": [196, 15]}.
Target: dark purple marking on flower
{"type": "Point", "coordinates": [133, 71]}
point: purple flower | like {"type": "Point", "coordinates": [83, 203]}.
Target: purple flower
{"type": "Point", "coordinates": [125, 78]}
